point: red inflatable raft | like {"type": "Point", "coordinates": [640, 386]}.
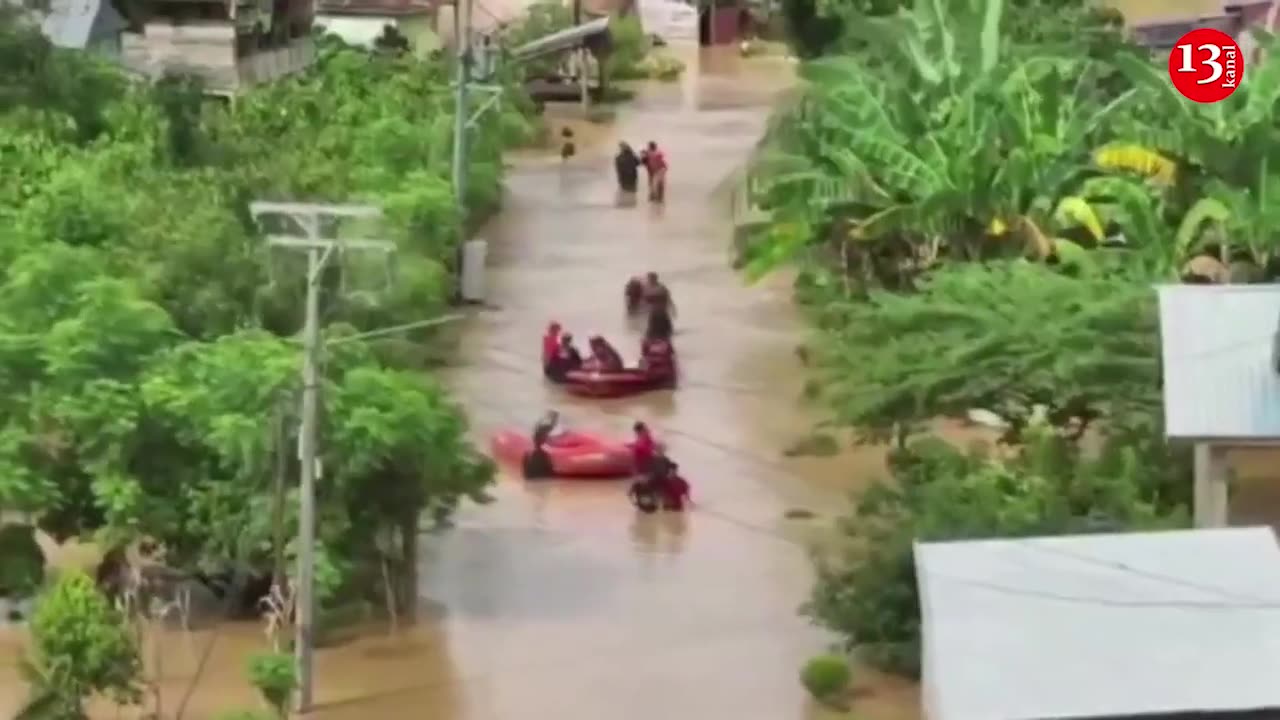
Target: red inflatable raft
{"type": "Point", "coordinates": [631, 381]}
{"type": "Point", "coordinates": [573, 454]}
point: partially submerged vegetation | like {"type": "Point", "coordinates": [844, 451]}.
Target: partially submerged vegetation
{"type": "Point", "coordinates": [980, 195]}
{"type": "Point", "coordinates": [147, 361]}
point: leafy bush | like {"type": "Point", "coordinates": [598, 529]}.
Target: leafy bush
{"type": "Point", "coordinates": [826, 677]}
{"type": "Point", "coordinates": [81, 646]}
{"type": "Point", "coordinates": [628, 49]}
{"type": "Point", "coordinates": [662, 67]}
{"type": "Point", "coordinates": [275, 677]}
{"type": "Point", "coordinates": [866, 592]}
{"type": "Point", "coordinates": [21, 561]}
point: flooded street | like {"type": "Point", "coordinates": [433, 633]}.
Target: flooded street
{"type": "Point", "coordinates": [556, 600]}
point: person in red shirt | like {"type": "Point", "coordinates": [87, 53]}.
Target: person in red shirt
{"type": "Point", "coordinates": [675, 490]}
{"type": "Point", "coordinates": [655, 161]}
{"type": "Point", "coordinates": [550, 347]}
{"type": "Point", "coordinates": [643, 448]}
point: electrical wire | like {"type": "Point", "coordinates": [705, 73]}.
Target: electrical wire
{"type": "Point", "coordinates": [1100, 601]}
{"type": "Point", "coordinates": [1125, 568]}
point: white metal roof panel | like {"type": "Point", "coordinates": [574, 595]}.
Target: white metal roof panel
{"type": "Point", "coordinates": [562, 40]}
{"type": "Point", "coordinates": [1104, 625]}
{"type": "Point", "coordinates": [1216, 341]}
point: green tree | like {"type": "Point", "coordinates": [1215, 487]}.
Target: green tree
{"type": "Point", "coordinates": [1005, 337]}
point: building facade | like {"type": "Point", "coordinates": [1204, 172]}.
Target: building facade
{"type": "Point", "coordinates": [230, 44]}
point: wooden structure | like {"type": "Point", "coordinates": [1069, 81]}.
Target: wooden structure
{"type": "Point", "coordinates": [1221, 385]}
{"type": "Point", "coordinates": [230, 44]}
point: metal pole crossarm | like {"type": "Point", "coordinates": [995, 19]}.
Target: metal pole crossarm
{"type": "Point", "coordinates": [262, 207]}
{"type": "Point", "coordinates": [480, 111]}
{"type": "Point", "coordinates": [288, 241]}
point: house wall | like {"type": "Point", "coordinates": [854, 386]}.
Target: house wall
{"type": "Point", "coordinates": [209, 50]}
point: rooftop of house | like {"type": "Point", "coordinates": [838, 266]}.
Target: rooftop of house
{"type": "Point", "coordinates": [1220, 381]}
{"type": "Point", "coordinates": [378, 8]}
{"type": "Point", "coordinates": [1180, 623]}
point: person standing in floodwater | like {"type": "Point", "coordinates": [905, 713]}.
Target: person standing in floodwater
{"type": "Point", "coordinates": [627, 166]}
{"type": "Point", "coordinates": [655, 162]}
{"type": "Point", "coordinates": [661, 308]}
{"type": "Point", "coordinates": [567, 148]}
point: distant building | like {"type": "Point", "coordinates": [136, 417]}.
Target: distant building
{"type": "Point", "coordinates": [92, 25]}
{"type": "Point", "coordinates": [230, 44]}
{"type": "Point", "coordinates": [362, 22]}
{"type": "Point", "coordinates": [1160, 626]}
{"type": "Point", "coordinates": [1158, 25]}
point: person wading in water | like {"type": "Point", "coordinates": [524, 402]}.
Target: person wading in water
{"type": "Point", "coordinates": [655, 161]}
{"type": "Point", "coordinates": [627, 166]}
{"type": "Point", "coordinates": [661, 308]}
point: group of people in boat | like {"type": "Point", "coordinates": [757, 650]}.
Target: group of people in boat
{"type": "Point", "coordinates": [560, 355]}
{"type": "Point", "coordinates": [658, 483]}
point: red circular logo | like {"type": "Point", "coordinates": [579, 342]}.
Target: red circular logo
{"type": "Point", "coordinates": [1206, 65]}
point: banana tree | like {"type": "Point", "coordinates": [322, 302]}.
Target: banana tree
{"type": "Point", "coordinates": [1228, 140]}
{"type": "Point", "coordinates": [988, 172]}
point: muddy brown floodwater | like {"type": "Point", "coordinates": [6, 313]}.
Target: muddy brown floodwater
{"type": "Point", "coordinates": [556, 600]}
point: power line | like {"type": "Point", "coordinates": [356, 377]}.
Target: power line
{"type": "Point", "coordinates": [1125, 568]}
{"type": "Point", "coordinates": [1101, 601]}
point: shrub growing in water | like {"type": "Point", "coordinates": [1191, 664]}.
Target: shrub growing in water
{"type": "Point", "coordinates": [21, 562]}
{"type": "Point", "coordinates": [274, 675]}
{"type": "Point", "coordinates": [81, 646]}
{"type": "Point", "coordinates": [826, 677]}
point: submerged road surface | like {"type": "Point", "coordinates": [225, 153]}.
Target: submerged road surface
{"type": "Point", "coordinates": [557, 601]}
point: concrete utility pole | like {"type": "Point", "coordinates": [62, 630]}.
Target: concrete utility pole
{"type": "Point", "coordinates": [581, 55]}
{"type": "Point", "coordinates": [319, 251]}
{"type": "Point", "coordinates": [461, 113]}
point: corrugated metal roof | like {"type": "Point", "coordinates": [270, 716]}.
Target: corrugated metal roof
{"type": "Point", "coordinates": [1091, 626]}
{"type": "Point", "coordinates": [563, 40]}
{"type": "Point", "coordinates": [1216, 343]}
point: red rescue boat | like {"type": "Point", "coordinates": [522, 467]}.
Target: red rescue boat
{"type": "Point", "coordinates": [575, 455]}
{"type": "Point", "coordinates": [632, 381]}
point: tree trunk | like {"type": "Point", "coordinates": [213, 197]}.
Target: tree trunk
{"type": "Point", "coordinates": [408, 576]}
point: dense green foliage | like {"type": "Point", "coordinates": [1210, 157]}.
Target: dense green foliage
{"type": "Point", "coordinates": [981, 194]}
{"type": "Point", "coordinates": [81, 646]}
{"type": "Point", "coordinates": [21, 562]}
{"type": "Point", "coordinates": [146, 372]}
{"type": "Point", "coordinates": [867, 593]}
